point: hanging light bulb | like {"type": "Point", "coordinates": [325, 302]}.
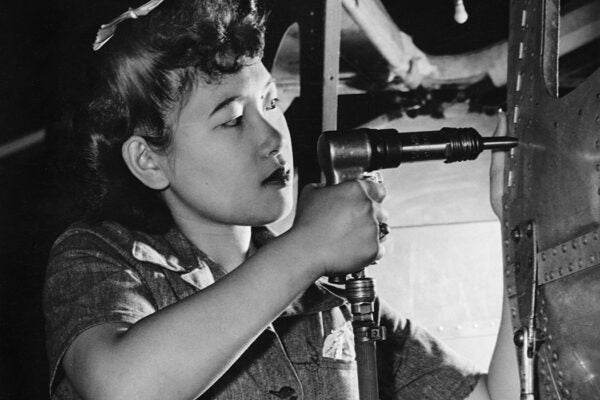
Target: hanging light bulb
{"type": "Point", "coordinates": [460, 14]}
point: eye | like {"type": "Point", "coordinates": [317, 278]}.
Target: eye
{"type": "Point", "coordinates": [233, 123]}
{"type": "Point", "coordinates": [272, 104]}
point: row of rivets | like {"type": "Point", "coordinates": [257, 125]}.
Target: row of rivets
{"type": "Point", "coordinates": [554, 384]}
{"type": "Point", "coordinates": [558, 261]}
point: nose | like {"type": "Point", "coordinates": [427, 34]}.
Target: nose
{"type": "Point", "coordinates": [271, 137]}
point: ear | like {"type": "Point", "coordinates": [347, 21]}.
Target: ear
{"type": "Point", "coordinates": [143, 162]}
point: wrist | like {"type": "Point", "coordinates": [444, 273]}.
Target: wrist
{"type": "Point", "coordinates": [300, 254]}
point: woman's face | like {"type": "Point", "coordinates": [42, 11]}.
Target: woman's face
{"type": "Point", "coordinates": [230, 161]}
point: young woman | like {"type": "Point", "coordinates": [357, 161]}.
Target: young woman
{"type": "Point", "coordinates": [169, 288]}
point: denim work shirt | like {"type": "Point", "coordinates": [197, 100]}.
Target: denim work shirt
{"type": "Point", "coordinates": [106, 273]}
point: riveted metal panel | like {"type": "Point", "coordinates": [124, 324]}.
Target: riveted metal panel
{"type": "Point", "coordinates": [553, 180]}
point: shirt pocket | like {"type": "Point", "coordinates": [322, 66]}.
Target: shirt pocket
{"type": "Point", "coordinates": [321, 349]}
{"type": "Point", "coordinates": [324, 337]}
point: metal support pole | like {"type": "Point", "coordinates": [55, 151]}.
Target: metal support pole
{"type": "Point", "coordinates": [316, 110]}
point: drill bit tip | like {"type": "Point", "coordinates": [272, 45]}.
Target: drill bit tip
{"type": "Point", "coordinates": [499, 142]}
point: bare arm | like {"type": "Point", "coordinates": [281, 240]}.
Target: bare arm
{"type": "Point", "coordinates": [180, 351]}
{"type": "Point", "coordinates": [502, 381]}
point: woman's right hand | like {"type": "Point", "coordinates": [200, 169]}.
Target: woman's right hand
{"type": "Point", "coordinates": [338, 226]}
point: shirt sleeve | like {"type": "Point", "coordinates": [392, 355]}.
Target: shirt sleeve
{"type": "Point", "coordinates": [88, 283]}
{"type": "Point", "coordinates": [414, 365]}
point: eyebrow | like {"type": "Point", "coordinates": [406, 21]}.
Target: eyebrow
{"type": "Point", "coordinates": [231, 99]}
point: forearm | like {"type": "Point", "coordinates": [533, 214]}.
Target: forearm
{"type": "Point", "coordinates": [502, 380]}
{"type": "Point", "coordinates": [503, 377]}
{"type": "Point", "coordinates": [180, 351]}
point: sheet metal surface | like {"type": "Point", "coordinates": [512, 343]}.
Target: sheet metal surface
{"type": "Point", "coordinates": [553, 179]}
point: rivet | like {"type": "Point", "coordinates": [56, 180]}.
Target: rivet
{"type": "Point", "coordinates": [592, 259]}
{"type": "Point", "coordinates": [555, 356]}
{"type": "Point", "coordinates": [580, 263]}
{"type": "Point", "coordinates": [551, 275]}
{"type": "Point", "coordinates": [574, 244]}
{"type": "Point", "coordinates": [516, 234]}
{"type": "Point", "coordinates": [595, 236]}
{"type": "Point", "coordinates": [564, 248]}
{"type": "Point", "coordinates": [529, 229]}
{"type": "Point", "coordinates": [570, 267]}
{"type": "Point", "coordinates": [560, 271]}
{"type": "Point", "coordinates": [584, 240]}
{"type": "Point", "coordinates": [543, 256]}
{"type": "Point", "coordinates": [554, 252]}
{"type": "Point", "coordinates": [546, 277]}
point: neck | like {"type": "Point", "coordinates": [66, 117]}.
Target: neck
{"type": "Point", "coordinates": [225, 244]}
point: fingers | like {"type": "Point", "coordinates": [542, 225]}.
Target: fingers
{"type": "Point", "coordinates": [497, 168]}
{"type": "Point", "coordinates": [501, 127]}
{"type": "Point", "coordinates": [374, 190]}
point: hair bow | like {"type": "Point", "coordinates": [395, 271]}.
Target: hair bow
{"type": "Point", "coordinates": [107, 31]}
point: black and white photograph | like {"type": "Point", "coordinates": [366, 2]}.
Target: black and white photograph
{"type": "Point", "coordinates": [300, 200]}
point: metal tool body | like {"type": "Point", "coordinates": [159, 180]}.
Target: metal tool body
{"type": "Point", "coordinates": [345, 156]}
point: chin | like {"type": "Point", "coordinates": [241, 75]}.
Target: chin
{"type": "Point", "coordinates": [273, 214]}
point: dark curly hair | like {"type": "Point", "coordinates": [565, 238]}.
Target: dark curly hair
{"type": "Point", "coordinates": [135, 81]}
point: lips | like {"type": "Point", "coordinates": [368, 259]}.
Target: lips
{"type": "Point", "coordinates": [280, 177]}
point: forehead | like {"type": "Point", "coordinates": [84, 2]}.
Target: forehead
{"type": "Point", "coordinates": [248, 81]}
